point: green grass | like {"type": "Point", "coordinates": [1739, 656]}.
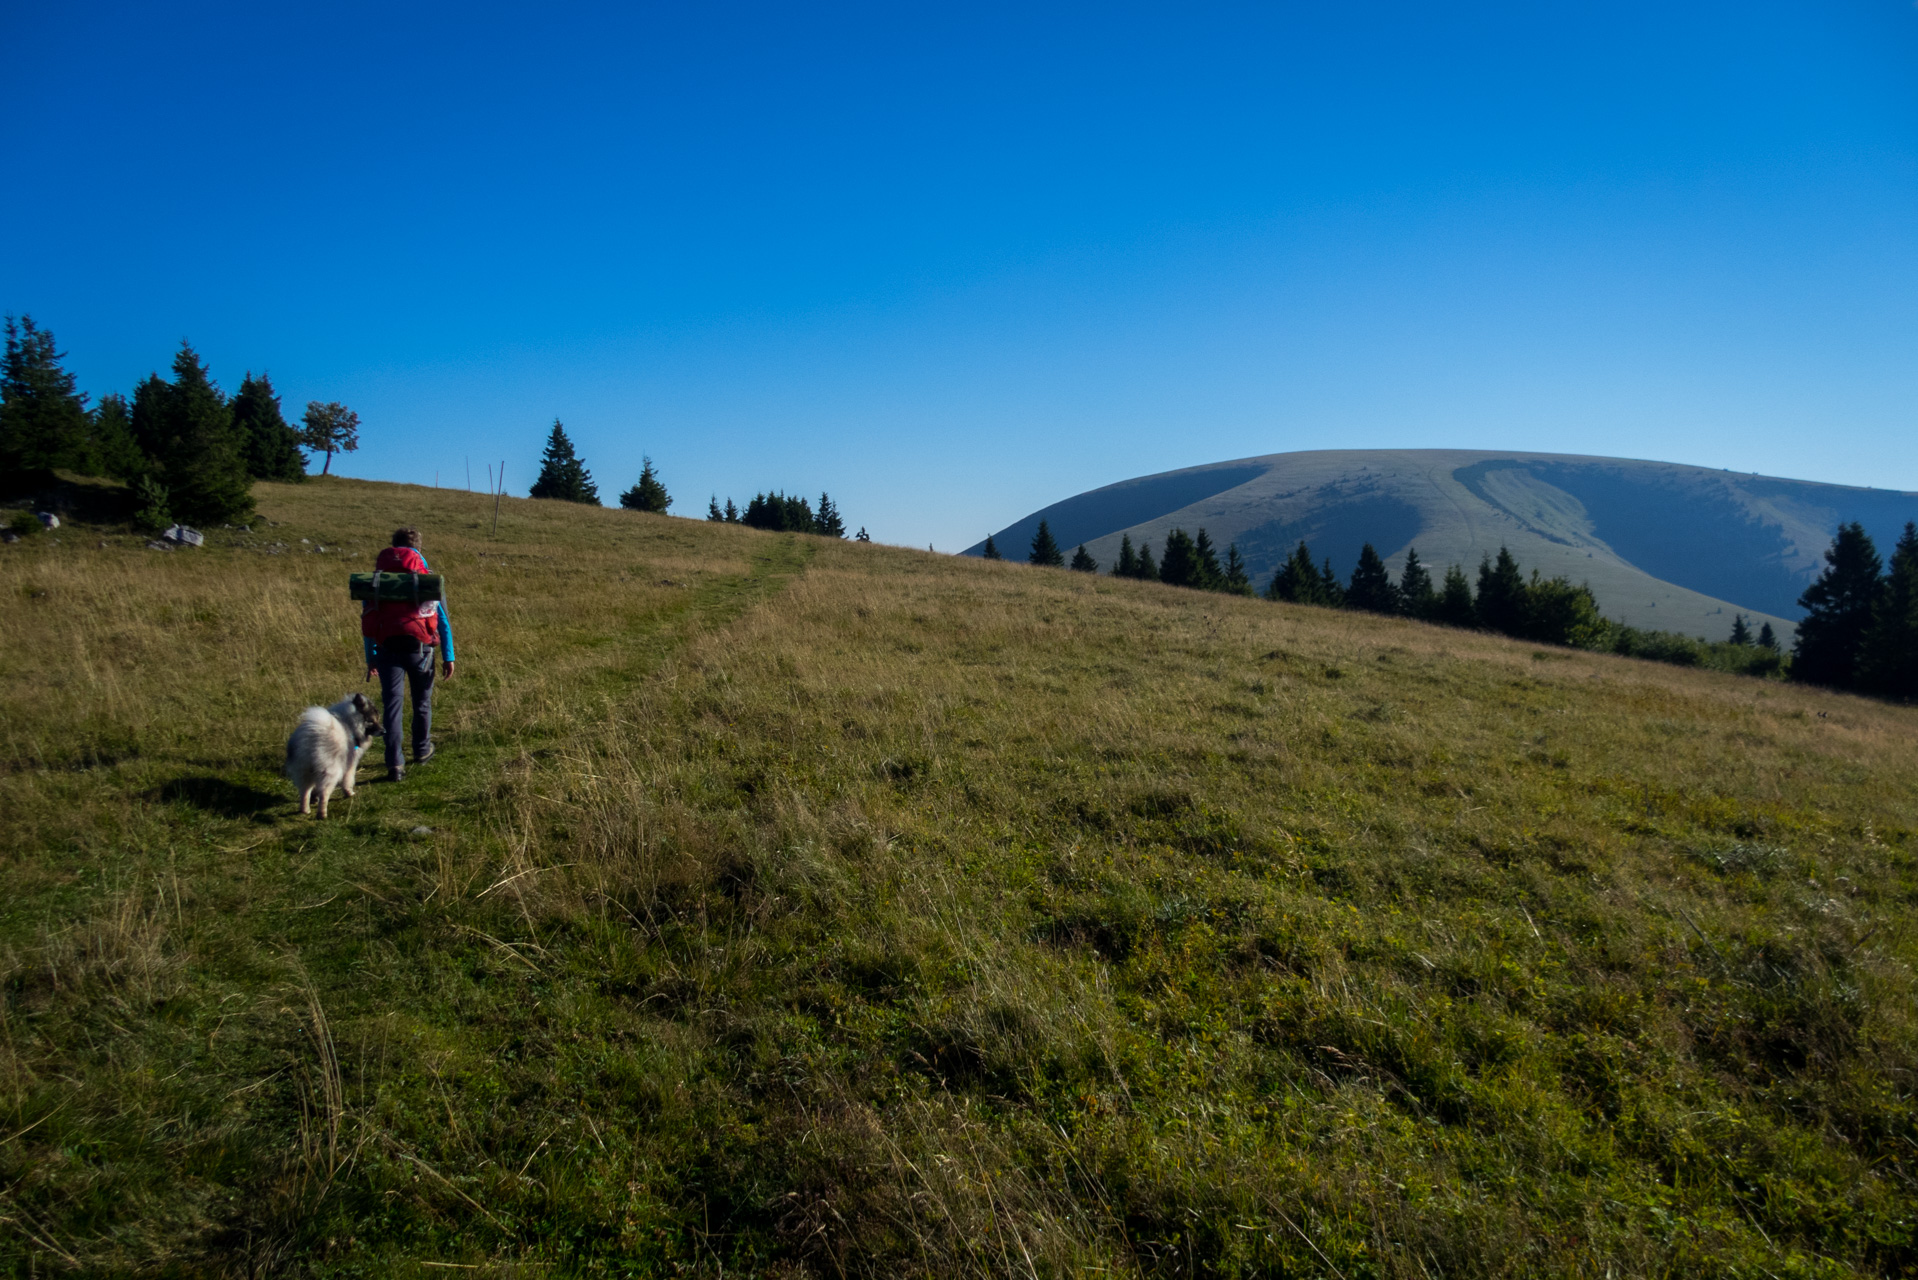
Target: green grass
{"type": "Point", "coordinates": [790, 907]}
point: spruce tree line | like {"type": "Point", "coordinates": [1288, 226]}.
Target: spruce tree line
{"type": "Point", "coordinates": [1189, 561]}
{"type": "Point", "coordinates": [783, 513]}
{"type": "Point", "coordinates": [1860, 629]}
{"type": "Point", "coordinates": [187, 451]}
{"type": "Point", "coordinates": [1507, 602]}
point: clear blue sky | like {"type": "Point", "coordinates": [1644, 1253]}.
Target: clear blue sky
{"type": "Point", "coordinates": [954, 263]}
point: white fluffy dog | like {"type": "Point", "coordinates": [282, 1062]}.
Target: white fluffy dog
{"type": "Point", "coordinates": [325, 749]}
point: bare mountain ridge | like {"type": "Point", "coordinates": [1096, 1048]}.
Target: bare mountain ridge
{"type": "Point", "coordinates": [1662, 544]}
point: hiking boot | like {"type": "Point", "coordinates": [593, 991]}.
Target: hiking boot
{"type": "Point", "coordinates": [396, 774]}
{"type": "Point", "coordinates": [422, 756]}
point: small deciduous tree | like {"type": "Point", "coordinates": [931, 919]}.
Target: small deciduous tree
{"type": "Point", "coordinates": [648, 494]}
{"type": "Point", "coordinates": [1045, 551]}
{"type": "Point", "coordinates": [331, 428]}
{"type": "Point", "coordinates": [1082, 561]}
{"type": "Point", "coordinates": [1556, 612]}
{"type": "Point", "coordinates": [562, 476]}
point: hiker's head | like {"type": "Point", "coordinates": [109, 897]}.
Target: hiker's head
{"type": "Point", "coordinates": [407, 538]}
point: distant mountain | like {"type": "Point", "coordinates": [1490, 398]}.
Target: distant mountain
{"type": "Point", "coordinates": [1662, 545]}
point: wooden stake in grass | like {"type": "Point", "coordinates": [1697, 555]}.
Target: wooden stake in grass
{"type": "Point", "coordinates": [496, 496]}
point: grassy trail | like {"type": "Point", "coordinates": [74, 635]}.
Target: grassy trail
{"type": "Point", "coordinates": [232, 941]}
{"type": "Point", "coordinates": [912, 916]}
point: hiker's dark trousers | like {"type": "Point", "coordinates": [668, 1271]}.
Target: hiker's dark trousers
{"type": "Point", "coordinates": [403, 662]}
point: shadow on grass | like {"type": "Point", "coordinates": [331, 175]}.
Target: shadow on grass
{"type": "Point", "coordinates": [219, 796]}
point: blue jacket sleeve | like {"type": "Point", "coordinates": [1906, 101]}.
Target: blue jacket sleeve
{"type": "Point", "coordinates": [445, 626]}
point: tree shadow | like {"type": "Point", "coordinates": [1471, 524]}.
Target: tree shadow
{"type": "Point", "coordinates": [220, 796]}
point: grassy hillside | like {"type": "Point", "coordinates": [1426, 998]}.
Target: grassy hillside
{"type": "Point", "coordinates": [799, 908]}
{"type": "Point", "coordinates": [1664, 546]}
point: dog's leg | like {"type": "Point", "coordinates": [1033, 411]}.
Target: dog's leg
{"type": "Point", "coordinates": [353, 769]}
{"type": "Point", "coordinates": [306, 800]}
{"type": "Point", "coordinates": [325, 791]}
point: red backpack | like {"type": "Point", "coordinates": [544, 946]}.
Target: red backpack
{"type": "Point", "coordinates": [400, 617]}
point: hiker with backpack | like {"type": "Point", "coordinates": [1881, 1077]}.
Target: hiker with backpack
{"type": "Point", "coordinates": [399, 636]}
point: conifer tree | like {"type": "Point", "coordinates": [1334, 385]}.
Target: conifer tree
{"type": "Point", "coordinates": [732, 512]}
{"type": "Point", "coordinates": [329, 429]}
{"type": "Point", "coordinates": [1416, 597]}
{"type": "Point", "coordinates": [779, 513]}
{"type": "Point", "coordinates": [1501, 595]}
{"type": "Point", "coordinates": [1838, 611]}
{"type": "Point", "coordinates": [992, 549]}
{"type": "Point", "coordinates": [713, 513]}
{"type": "Point", "coordinates": [1454, 606]}
{"type": "Point", "coordinates": [1127, 565]}
{"type": "Point", "coordinates": [1144, 568]}
{"type": "Point", "coordinates": [115, 449]}
{"type": "Point", "coordinates": [1741, 632]}
{"type": "Point", "coordinates": [1237, 581]}
{"type": "Point", "coordinates": [647, 493]}
{"type": "Point", "coordinates": [186, 427]}
{"type": "Point", "coordinates": [272, 447]}
{"type": "Point", "coordinates": [1767, 638]}
{"type": "Point", "coordinates": [1045, 551]}
{"type": "Point", "coordinates": [1297, 580]}
{"type": "Point", "coordinates": [43, 419]}
{"type": "Point", "coordinates": [1211, 572]}
{"type": "Point", "coordinates": [1889, 664]}
{"type": "Point", "coordinates": [828, 521]}
{"type": "Point", "coordinates": [562, 476]}
{"type": "Point", "coordinates": [1082, 561]}
{"type": "Point", "coordinates": [1371, 587]}
{"type": "Point", "coordinates": [1180, 566]}
{"type": "Point", "coordinates": [1331, 594]}
{"type": "Point", "coordinates": [150, 510]}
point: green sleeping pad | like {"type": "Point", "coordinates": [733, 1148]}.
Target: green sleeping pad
{"type": "Point", "coordinates": [394, 588]}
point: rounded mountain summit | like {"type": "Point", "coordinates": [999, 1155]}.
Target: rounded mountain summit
{"type": "Point", "coordinates": [1662, 545]}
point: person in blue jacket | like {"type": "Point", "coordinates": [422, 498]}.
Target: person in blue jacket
{"type": "Point", "coordinates": [399, 639]}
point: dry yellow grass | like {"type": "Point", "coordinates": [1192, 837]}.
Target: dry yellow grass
{"type": "Point", "coordinates": [846, 909]}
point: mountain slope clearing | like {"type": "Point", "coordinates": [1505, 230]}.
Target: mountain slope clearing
{"type": "Point", "coordinates": [785, 906]}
